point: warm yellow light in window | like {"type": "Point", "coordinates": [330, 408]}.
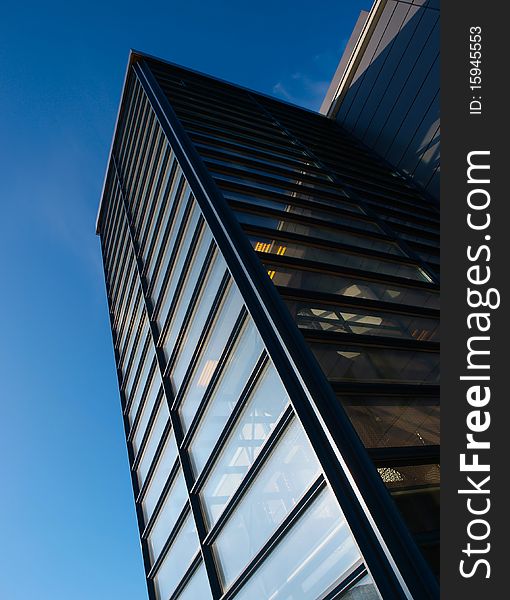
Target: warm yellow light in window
{"type": "Point", "coordinates": [207, 373]}
{"type": "Point", "coordinates": [262, 247]}
{"type": "Point", "coordinates": [281, 250]}
{"type": "Point", "coordinates": [271, 274]}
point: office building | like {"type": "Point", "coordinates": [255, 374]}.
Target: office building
{"type": "Point", "coordinates": [273, 295]}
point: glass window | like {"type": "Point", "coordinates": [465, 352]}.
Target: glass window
{"type": "Point", "coordinates": [317, 552]}
{"type": "Point", "coordinates": [339, 258]}
{"type": "Point", "coordinates": [210, 355]}
{"type": "Point", "coordinates": [346, 319]}
{"type": "Point", "coordinates": [151, 446]}
{"type": "Point", "coordinates": [161, 473]}
{"type": "Point", "coordinates": [186, 291]}
{"type": "Point", "coordinates": [287, 474]}
{"type": "Point", "coordinates": [363, 590]}
{"type": "Point", "coordinates": [167, 516]}
{"type": "Point", "coordinates": [198, 587]}
{"type": "Point", "coordinates": [238, 368]}
{"type": "Point", "coordinates": [148, 362]}
{"type": "Point", "coordinates": [394, 421]}
{"type": "Point", "coordinates": [196, 323]}
{"type": "Point", "coordinates": [176, 268]}
{"type": "Point", "coordinates": [177, 560]}
{"type": "Point", "coordinates": [372, 364]}
{"type": "Point", "coordinates": [352, 287]}
{"type": "Point", "coordinates": [266, 404]}
{"type": "Point", "coordinates": [148, 405]}
{"type": "Point", "coordinates": [159, 275]}
{"type": "Point", "coordinates": [319, 232]}
{"type": "Point", "coordinates": [285, 204]}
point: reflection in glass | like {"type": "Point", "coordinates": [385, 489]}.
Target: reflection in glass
{"type": "Point", "coordinates": [195, 325]}
{"type": "Point", "coordinates": [372, 364]}
{"type": "Point", "coordinates": [345, 319]}
{"type": "Point", "coordinates": [364, 589]}
{"type": "Point", "coordinates": [156, 432]}
{"type": "Point", "coordinates": [198, 587]}
{"type": "Point", "coordinates": [286, 475]}
{"type": "Point", "coordinates": [167, 516]}
{"type": "Point", "coordinates": [256, 422]}
{"type": "Point", "coordinates": [161, 473]}
{"type": "Point", "coordinates": [317, 552]}
{"type": "Point", "coordinates": [352, 287]}
{"type": "Point", "coordinates": [239, 365]}
{"type": "Point", "coordinates": [177, 559]}
{"type": "Point", "coordinates": [338, 258]}
{"type": "Point", "coordinates": [392, 421]}
{"type": "Point", "coordinates": [210, 355]}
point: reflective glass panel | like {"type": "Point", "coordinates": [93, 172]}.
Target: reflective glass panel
{"type": "Point", "coordinates": [210, 355]}
{"type": "Point", "coordinates": [153, 440]}
{"type": "Point", "coordinates": [161, 473]}
{"type": "Point", "coordinates": [167, 516]}
{"type": "Point", "coordinates": [289, 471]}
{"type": "Point", "coordinates": [198, 587]}
{"type": "Point", "coordinates": [177, 559]}
{"type": "Point", "coordinates": [352, 287]}
{"type": "Point", "coordinates": [238, 368]}
{"type": "Point", "coordinates": [317, 552]}
{"type": "Point", "coordinates": [256, 422]}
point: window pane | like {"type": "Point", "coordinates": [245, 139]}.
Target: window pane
{"type": "Point", "coordinates": [211, 354]}
{"type": "Point", "coordinates": [197, 262]}
{"type": "Point", "coordinates": [317, 552]}
{"type": "Point", "coordinates": [154, 438]}
{"type": "Point", "coordinates": [388, 422]}
{"type": "Point", "coordinates": [177, 560]}
{"type": "Point", "coordinates": [363, 590]}
{"type": "Point", "coordinates": [369, 364]}
{"type": "Point", "coordinates": [237, 370]}
{"type": "Point", "coordinates": [338, 258]}
{"type": "Point", "coordinates": [345, 319]}
{"type": "Point", "coordinates": [176, 268]}
{"type": "Point", "coordinates": [167, 516]}
{"type": "Point", "coordinates": [197, 321]}
{"type": "Point", "coordinates": [258, 419]}
{"type": "Point", "coordinates": [352, 287]}
{"type": "Point", "coordinates": [148, 405]}
{"type": "Point", "coordinates": [198, 587]}
{"type": "Point", "coordinates": [159, 477]}
{"type": "Point", "coordinates": [319, 232]}
{"type": "Point", "coordinates": [289, 471]}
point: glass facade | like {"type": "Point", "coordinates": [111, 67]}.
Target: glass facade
{"type": "Point", "coordinates": [236, 494]}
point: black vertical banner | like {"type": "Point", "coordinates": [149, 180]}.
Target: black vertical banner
{"type": "Point", "coordinates": [475, 258]}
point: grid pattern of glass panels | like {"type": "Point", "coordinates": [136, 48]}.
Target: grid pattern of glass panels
{"type": "Point", "coordinates": [353, 249]}
{"type": "Point", "coordinates": [226, 483]}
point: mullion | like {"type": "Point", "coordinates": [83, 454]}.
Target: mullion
{"type": "Point", "coordinates": [202, 407]}
{"type": "Point", "coordinates": [167, 432]}
{"type": "Point", "coordinates": [261, 364]}
{"type": "Point", "coordinates": [195, 564]}
{"type": "Point", "coordinates": [333, 338]}
{"type": "Point", "coordinates": [328, 268]}
{"type": "Point", "coordinates": [171, 479]}
{"type": "Point", "coordinates": [254, 230]}
{"type": "Point", "coordinates": [264, 156]}
{"type": "Point", "coordinates": [122, 145]}
{"type": "Point", "coordinates": [273, 168]}
{"type": "Point", "coordinates": [218, 136]}
{"type": "Point", "coordinates": [257, 465]}
{"type": "Point", "coordinates": [305, 219]}
{"type": "Point", "coordinates": [183, 280]}
{"type": "Point", "coordinates": [175, 425]}
{"type": "Point", "coordinates": [221, 294]}
{"type": "Point", "coordinates": [144, 156]}
{"type": "Point", "coordinates": [133, 163]}
{"type": "Point", "coordinates": [291, 519]}
{"type": "Point", "coordinates": [352, 302]}
{"type": "Point", "coordinates": [144, 193]}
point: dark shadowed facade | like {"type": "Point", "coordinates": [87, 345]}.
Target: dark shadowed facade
{"type": "Point", "coordinates": [273, 293]}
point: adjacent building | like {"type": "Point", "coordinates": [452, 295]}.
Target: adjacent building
{"type": "Point", "coordinates": [273, 294]}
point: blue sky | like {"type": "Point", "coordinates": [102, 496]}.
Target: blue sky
{"type": "Point", "coordinates": [67, 520]}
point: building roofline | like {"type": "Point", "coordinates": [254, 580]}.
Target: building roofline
{"type": "Point", "coordinates": [136, 56]}
{"type": "Point", "coordinates": [353, 62]}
